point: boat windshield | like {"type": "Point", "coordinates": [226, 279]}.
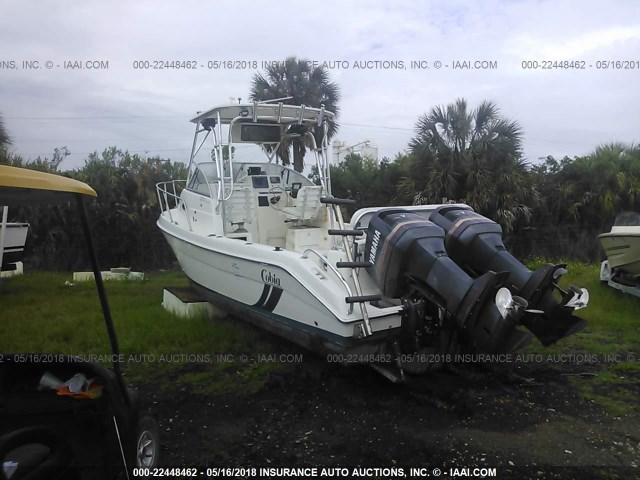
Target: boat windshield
{"type": "Point", "coordinates": [627, 219]}
{"type": "Point", "coordinates": [277, 173]}
{"type": "Point", "coordinates": [204, 176]}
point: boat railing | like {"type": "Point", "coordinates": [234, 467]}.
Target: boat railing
{"type": "Point", "coordinates": [325, 261]}
{"type": "Point", "coordinates": [219, 178]}
{"type": "Point", "coordinates": [169, 198]}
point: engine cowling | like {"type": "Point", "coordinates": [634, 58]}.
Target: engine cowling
{"type": "Point", "coordinates": [407, 253]}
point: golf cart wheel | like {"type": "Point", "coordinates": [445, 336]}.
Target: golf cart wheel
{"type": "Point", "coordinates": [147, 442]}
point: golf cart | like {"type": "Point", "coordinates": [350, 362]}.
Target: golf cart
{"type": "Point", "coordinates": [61, 416]}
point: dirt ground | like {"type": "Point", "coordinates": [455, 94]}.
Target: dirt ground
{"type": "Point", "coordinates": [527, 420]}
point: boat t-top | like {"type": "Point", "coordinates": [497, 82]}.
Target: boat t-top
{"type": "Point", "coordinates": [391, 288]}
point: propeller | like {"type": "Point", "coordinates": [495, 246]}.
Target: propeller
{"type": "Point", "coordinates": [508, 303]}
{"type": "Point", "coordinates": [503, 301]}
{"type": "Point", "coordinates": [580, 298]}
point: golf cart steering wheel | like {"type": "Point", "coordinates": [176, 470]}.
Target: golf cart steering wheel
{"type": "Point", "coordinates": [275, 197]}
{"type": "Point", "coordinates": [45, 464]}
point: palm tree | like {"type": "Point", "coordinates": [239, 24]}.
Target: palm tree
{"type": "Point", "coordinates": [5, 141]}
{"type": "Point", "coordinates": [307, 85]}
{"type": "Point", "coordinates": [473, 156]}
{"type": "Point", "coordinates": [608, 179]}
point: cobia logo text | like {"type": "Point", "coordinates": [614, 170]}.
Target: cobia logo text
{"type": "Point", "coordinates": [270, 278]}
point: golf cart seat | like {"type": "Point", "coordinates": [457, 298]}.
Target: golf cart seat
{"type": "Point", "coordinates": [44, 433]}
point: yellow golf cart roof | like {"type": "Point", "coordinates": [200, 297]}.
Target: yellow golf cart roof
{"type": "Point", "coordinates": [20, 185]}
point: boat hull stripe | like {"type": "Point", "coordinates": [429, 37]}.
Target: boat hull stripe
{"type": "Point", "coordinates": [271, 304]}
{"type": "Point", "coordinates": [263, 298]}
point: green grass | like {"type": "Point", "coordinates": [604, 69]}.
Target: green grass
{"type": "Point", "coordinates": [40, 314]}
{"type": "Point", "coordinates": [612, 333]}
{"type": "Point", "coordinates": [611, 391]}
{"type": "Point", "coordinates": [613, 317]}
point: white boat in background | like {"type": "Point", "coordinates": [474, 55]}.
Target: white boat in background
{"type": "Point", "coordinates": [622, 248]}
{"type": "Point", "coordinates": [266, 243]}
{"type": "Point", "coordinates": [13, 236]}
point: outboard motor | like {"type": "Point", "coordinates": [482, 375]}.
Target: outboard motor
{"type": "Point", "coordinates": [475, 243]}
{"type": "Point", "coordinates": [407, 253]}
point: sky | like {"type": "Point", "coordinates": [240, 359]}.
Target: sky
{"type": "Point", "coordinates": [569, 111]}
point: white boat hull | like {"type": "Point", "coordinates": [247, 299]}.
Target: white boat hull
{"type": "Point", "coordinates": [623, 251]}
{"type": "Point", "coordinates": [280, 292]}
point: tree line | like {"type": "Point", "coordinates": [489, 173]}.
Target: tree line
{"type": "Point", "coordinates": [123, 217]}
{"type": "Point", "coordinates": [553, 209]}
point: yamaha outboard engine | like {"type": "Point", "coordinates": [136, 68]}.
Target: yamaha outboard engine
{"type": "Point", "coordinates": [407, 254]}
{"type": "Point", "coordinates": [475, 243]}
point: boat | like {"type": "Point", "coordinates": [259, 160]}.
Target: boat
{"type": "Point", "coordinates": [621, 245]}
{"type": "Point", "coordinates": [398, 288]}
{"type": "Point", "coordinates": [13, 236]}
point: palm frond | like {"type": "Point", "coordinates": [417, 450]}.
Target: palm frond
{"type": "Point", "coordinates": [306, 85]}
{"type": "Point", "coordinates": [5, 140]}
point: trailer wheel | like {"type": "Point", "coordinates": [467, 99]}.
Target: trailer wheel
{"type": "Point", "coordinates": [147, 442]}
